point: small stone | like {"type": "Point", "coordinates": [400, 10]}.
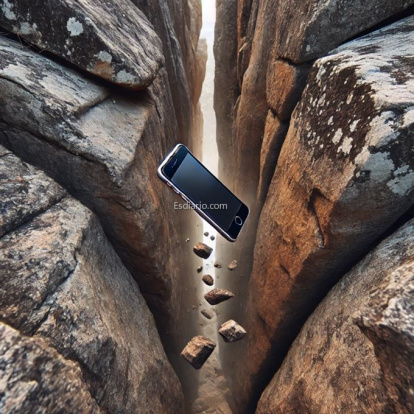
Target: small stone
{"type": "Point", "coordinates": [206, 234]}
{"type": "Point", "coordinates": [199, 269]}
{"type": "Point", "coordinates": [212, 238]}
{"type": "Point", "coordinates": [231, 331]}
{"type": "Point", "coordinates": [232, 265]}
{"type": "Point", "coordinates": [218, 265]}
{"type": "Point", "coordinates": [202, 250]}
{"type": "Point", "coordinates": [208, 313]}
{"type": "Point", "coordinates": [208, 280]}
{"type": "Point", "coordinates": [187, 240]}
{"type": "Point", "coordinates": [198, 350]}
{"type": "Point", "coordinates": [217, 296]}
{"type": "Point", "coordinates": [194, 307]}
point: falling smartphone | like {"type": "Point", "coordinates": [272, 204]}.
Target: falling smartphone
{"type": "Point", "coordinates": [212, 200]}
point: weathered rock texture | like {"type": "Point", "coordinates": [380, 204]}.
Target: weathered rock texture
{"type": "Point", "coordinates": [103, 146]}
{"type": "Point", "coordinates": [355, 353]}
{"type": "Point", "coordinates": [271, 46]}
{"type": "Point", "coordinates": [198, 350]}
{"type": "Point", "coordinates": [112, 40]}
{"type": "Point", "coordinates": [178, 24]}
{"type": "Point", "coordinates": [60, 279]}
{"type": "Point", "coordinates": [345, 174]}
{"type": "Point", "coordinates": [34, 378]}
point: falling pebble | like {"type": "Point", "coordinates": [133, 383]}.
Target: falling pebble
{"type": "Point", "coordinates": [232, 265]}
{"type": "Point", "coordinates": [199, 269]}
{"type": "Point", "coordinates": [218, 265]}
{"type": "Point", "coordinates": [206, 234]}
{"type": "Point", "coordinates": [187, 240]}
{"type": "Point", "coordinates": [212, 238]}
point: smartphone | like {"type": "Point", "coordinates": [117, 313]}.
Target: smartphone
{"type": "Point", "coordinates": [198, 187]}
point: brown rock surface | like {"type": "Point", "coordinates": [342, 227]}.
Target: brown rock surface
{"type": "Point", "coordinates": [60, 279]}
{"type": "Point", "coordinates": [112, 40]}
{"type": "Point", "coordinates": [344, 176]}
{"type": "Point", "coordinates": [198, 350]}
{"type": "Point", "coordinates": [284, 86]}
{"type": "Point", "coordinates": [274, 135]}
{"type": "Point", "coordinates": [231, 331]}
{"type": "Point", "coordinates": [208, 313]}
{"type": "Point", "coordinates": [35, 379]}
{"type": "Point", "coordinates": [216, 296]}
{"type": "Point", "coordinates": [332, 367]}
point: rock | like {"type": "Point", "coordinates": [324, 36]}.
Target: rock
{"type": "Point", "coordinates": [202, 250]}
{"type": "Point", "coordinates": [199, 269]}
{"type": "Point", "coordinates": [208, 313]}
{"type": "Point", "coordinates": [218, 265]}
{"type": "Point", "coordinates": [187, 240]}
{"type": "Point", "coordinates": [99, 144]}
{"type": "Point", "coordinates": [226, 84]}
{"type": "Point", "coordinates": [344, 176]}
{"type": "Point", "coordinates": [231, 331]}
{"type": "Point", "coordinates": [208, 280]}
{"type": "Point", "coordinates": [61, 280]}
{"type": "Point", "coordinates": [212, 238]}
{"type": "Point", "coordinates": [363, 329]}
{"type": "Point", "coordinates": [206, 233]}
{"type": "Point", "coordinates": [198, 350]}
{"type": "Point", "coordinates": [274, 135]}
{"type": "Point", "coordinates": [111, 40]}
{"type": "Point", "coordinates": [178, 26]}
{"type": "Point", "coordinates": [232, 265]}
{"type": "Point", "coordinates": [284, 86]}
{"type": "Point", "coordinates": [386, 319]}
{"type": "Point", "coordinates": [310, 29]}
{"type": "Point", "coordinates": [35, 378]}
{"type": "Point", "coordinates": [217, 296]}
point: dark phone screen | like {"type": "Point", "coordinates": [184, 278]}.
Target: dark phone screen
{"type": "Point", "coordinates": [205, 190]}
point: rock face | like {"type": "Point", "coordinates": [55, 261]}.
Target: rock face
{"type": "Point", "coordinates": [61, 280]}
{"type": "Point", "coordinates": [130, 56]}
{"type": "Point", "coordinates": [100, 145]}
{"type": "Point", "coordinates": [355, 352]}
{"type": "Point", "coordinates": [345, 174]}
{"type": "Point", "coordinates": [309, 29]}
{"type": "Point", "coordinates": [35, 378]}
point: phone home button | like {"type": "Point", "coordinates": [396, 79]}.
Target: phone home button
{"type": "Point", "coordinates": [238, 220]}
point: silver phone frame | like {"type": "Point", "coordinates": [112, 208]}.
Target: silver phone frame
{"type": "Point", "coordinates": [187, 200]}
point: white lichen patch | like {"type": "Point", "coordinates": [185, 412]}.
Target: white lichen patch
{"type": "Point", "coordinates": [337, 137]}
{"type": "Point", "coordinates": [27, 29]}
{"type": "Point", "coordinates": [402, 185]}
{"type": "Point", "coordinates": [380, 165]}
{"type": "Point", "coordinates": [124, 77]}
{"type": "Point", "coordinates": [105, 57]}
{"type": "Point", "coordinates": [7, 10]}
{"type": "Point", "coordinates": [75, 27]}
{"type": "Point", "coordinates": [346, 146]}
{"type": "Point", "coordinates": [353, 125]}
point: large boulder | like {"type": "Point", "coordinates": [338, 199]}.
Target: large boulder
{"type": "Point", "coordinates": [34, 378]}
{"type": "Point", "coordinates": [355, 352]}
{"type": "Point", "coordinates": [61, 280]}
{"type": "Point", "coordinates": [104, 146]}
{"type": "Point", "coordinates": [112, 40]}
{"type": "Point", "coordinates": [344, 176]}
{"type": "Point", "coordinates": [309, 29]}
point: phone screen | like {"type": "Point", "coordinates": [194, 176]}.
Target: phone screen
{"type": "Point", "coordinates": [199, 185]}
{"type": "Point", "coordinates": [205, 190]}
